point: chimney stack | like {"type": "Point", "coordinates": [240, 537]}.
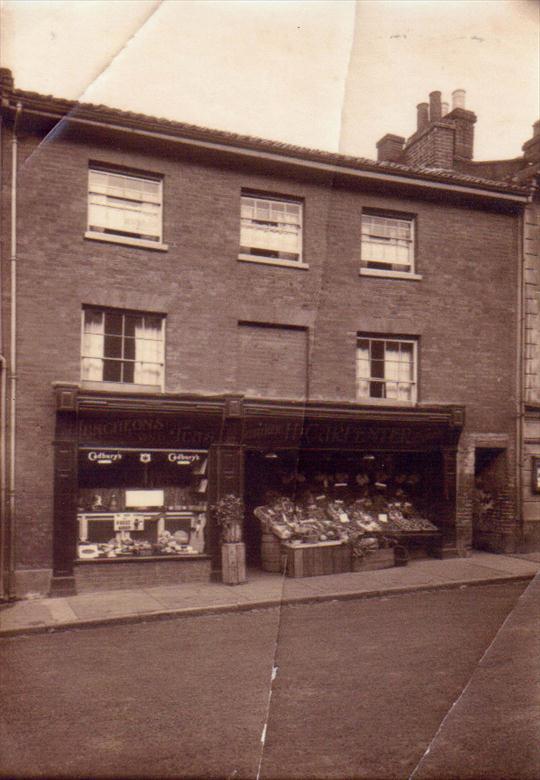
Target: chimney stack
{"type": "Point", "coordinates": [434, 106]}
{"type": "Point", "coordinates": [443, 139]}
{"type": "Point", "coordinates": [6, 80]}
{"type": "Point", "coordinates": [390, 148]}
{"type": "Point", "coordinates": [531, 148]}
{"type": "Point", "coordinates": [422, 116]}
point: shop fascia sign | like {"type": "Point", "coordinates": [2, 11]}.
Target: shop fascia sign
{"type": "Point", "coordinates": [341, 434]}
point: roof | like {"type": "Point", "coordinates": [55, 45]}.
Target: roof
{"type": "Point", "coordinates": [58, 108]}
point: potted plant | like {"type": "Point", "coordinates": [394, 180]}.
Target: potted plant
{"type": "Point", "coordinates": [228, 513]}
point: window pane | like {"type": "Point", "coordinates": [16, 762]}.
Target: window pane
{"type": "Point", "coordinates": [130, 323]}
{"type": "Point", "coordinates": [93, 321]}
{"type": "Point", "coordinates": [376, 389]}
{"type": "Point", "coordinates": [128, 372]}
{"type": "Point", "coordinates": [113, 323]}
{"type": "Point", "coordinates": [113, 346]}
{"type": "Point", "coordinates": [377, 369]}
{"type": "Point", "coordinates": [362, 388]}
{"type": "Point", "coordinates": [148, 373]}
{"type": "Point", "coordinates": [92, 369]}
{"type": "Point", "coordinates": [377, 350]}
{"type": "Point", "coordinates": [112, 371]}
{"type": "Point", "coordinates": [391, 389]}
{"type": "Point", "coordinates": [153, 326]}
{"type": "Point", "coordinates": [129, 349]}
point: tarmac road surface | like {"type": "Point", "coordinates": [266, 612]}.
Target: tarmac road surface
{"type": "Point", "coordinates": [360, 690]}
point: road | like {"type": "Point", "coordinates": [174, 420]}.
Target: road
{"type": "Point", "coordinates": [360, 690]}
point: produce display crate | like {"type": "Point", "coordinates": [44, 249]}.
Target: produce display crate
{"type": "Point", "coordinates": [377, 559]}
{"type": "Point", "coordinates": [420, 544]}
{"type": "Point", "coordinates": [313, 560]}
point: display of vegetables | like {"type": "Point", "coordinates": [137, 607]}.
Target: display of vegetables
{"type": "Point", "coordinates": [366, 523]}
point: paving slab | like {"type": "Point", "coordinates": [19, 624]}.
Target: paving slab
{"type": "Point", "coordinates": [493, 729]}
{"type": "Point", "coordinates": [34, 614]}
{"type": "Point", "coordinates": [506, 563]}
{"type": "Point", "coordinates": [103, 605]}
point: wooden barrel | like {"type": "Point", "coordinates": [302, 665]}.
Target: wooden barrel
{"type": "Point", "coordinates": [270, 553]}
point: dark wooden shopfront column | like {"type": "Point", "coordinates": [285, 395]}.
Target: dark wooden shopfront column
{"type": "Point", "coordinates": [226, 467]}
{"type": "Point", "coordinates": [65, 499]}
{"type": "Point", "coordinates": [449, 508]}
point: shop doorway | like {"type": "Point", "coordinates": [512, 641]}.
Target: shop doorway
{"type": "Point", "coordinates": [490, 497]}
{"type": "Point", "coordinates": [299, 475]}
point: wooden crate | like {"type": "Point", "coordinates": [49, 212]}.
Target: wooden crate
{"type": "Point", "coordinates": [378, 559]}
{"type": "Point", "coordinates": [233, 563]}
{"type": "Point", "coordinates": [313, 560]}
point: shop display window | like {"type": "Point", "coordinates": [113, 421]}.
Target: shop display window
{"type": "Point", "coordinates": [135, 503]}
{"type": "Point", "coordinates": [361, 498]}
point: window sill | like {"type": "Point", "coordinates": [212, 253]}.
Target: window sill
{"type": "Point", "coordinates": [385, 402]}
{"type": "Point", "coordinates": [139, 242]}
{"type": "Point", "coordinates": [389, 274]}
{"type": "Point", "coordinates": [120, 387]}
{"type": "Point", "coordinates": [273, 261]}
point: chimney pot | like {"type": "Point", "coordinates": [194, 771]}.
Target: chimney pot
{"type": "Point", "coordinates": [422, 116]}
{"type": "Point", "coordinates": [536, 129]}
{"type": "Point", "coordinates": [458, 98]}
{"type": "Point", "coordinates": [434, 106]}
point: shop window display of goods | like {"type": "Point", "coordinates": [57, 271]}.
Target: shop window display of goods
{"type": "Point", "coordinates": [377, 517]}
{"type": "Point", "coordinates": [140, 504]}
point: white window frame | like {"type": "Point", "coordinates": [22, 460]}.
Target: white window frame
{"type": "Point", "coordinates": [384, 381]}
{"type": "Point", "coordinates": [376, 232]}
{"type": "Point", "coordinates": [123, 198]}
{"type": "Point", "coordinates": [267, 255]}
{"type": "Point", "coordinates": [121, 385]}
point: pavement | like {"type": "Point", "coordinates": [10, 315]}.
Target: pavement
{"type": "Point", "coordinates": [262, 590]}
{"type": "Point", "coordinates": [493, 728]}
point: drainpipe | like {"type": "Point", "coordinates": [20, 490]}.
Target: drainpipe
{"type": "Point", "coordinates": [4, 568]}
{"type": "Point", "coordinates": [13, 352]}
{"type": "Point", "coordinates": [3, 534]}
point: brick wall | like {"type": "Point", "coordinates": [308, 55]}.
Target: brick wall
{"type": "Point", "coordinates": [140, 574]}
{"type": "Point", "coordinates": [463, 309]}
{"type": "Point", "coordinates": [432, 147]}
{"type": "Point", "coordinates": [272, 361]}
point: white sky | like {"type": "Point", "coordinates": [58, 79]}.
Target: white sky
{"type": "Point", "coordinates": [329, 74]}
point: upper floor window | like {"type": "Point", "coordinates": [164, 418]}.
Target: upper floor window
{"type": "Point", "coordinates": [386, 368]}
{"type": "Point", "coordinates": [121, 346]}
{"type": "Point", "coordinates": [271, 229]}
{"type": "Point", "coordinates": [387, 243]}
{"type": "Point", "coordinates": [124, 207]}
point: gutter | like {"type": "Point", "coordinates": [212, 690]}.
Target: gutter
{"type": "Point", "coordinates": [331, 168]}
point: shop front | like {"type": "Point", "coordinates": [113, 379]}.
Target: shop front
{"type": "Point", "coordinates": [134, 478]}
{"type": "Point", "coordinates": [361, 477]}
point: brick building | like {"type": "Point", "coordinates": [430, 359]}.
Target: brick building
{"type": "Point", "coordinates": [188, 313]}
{"type": "Point", "coordinates": [525, 170]}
